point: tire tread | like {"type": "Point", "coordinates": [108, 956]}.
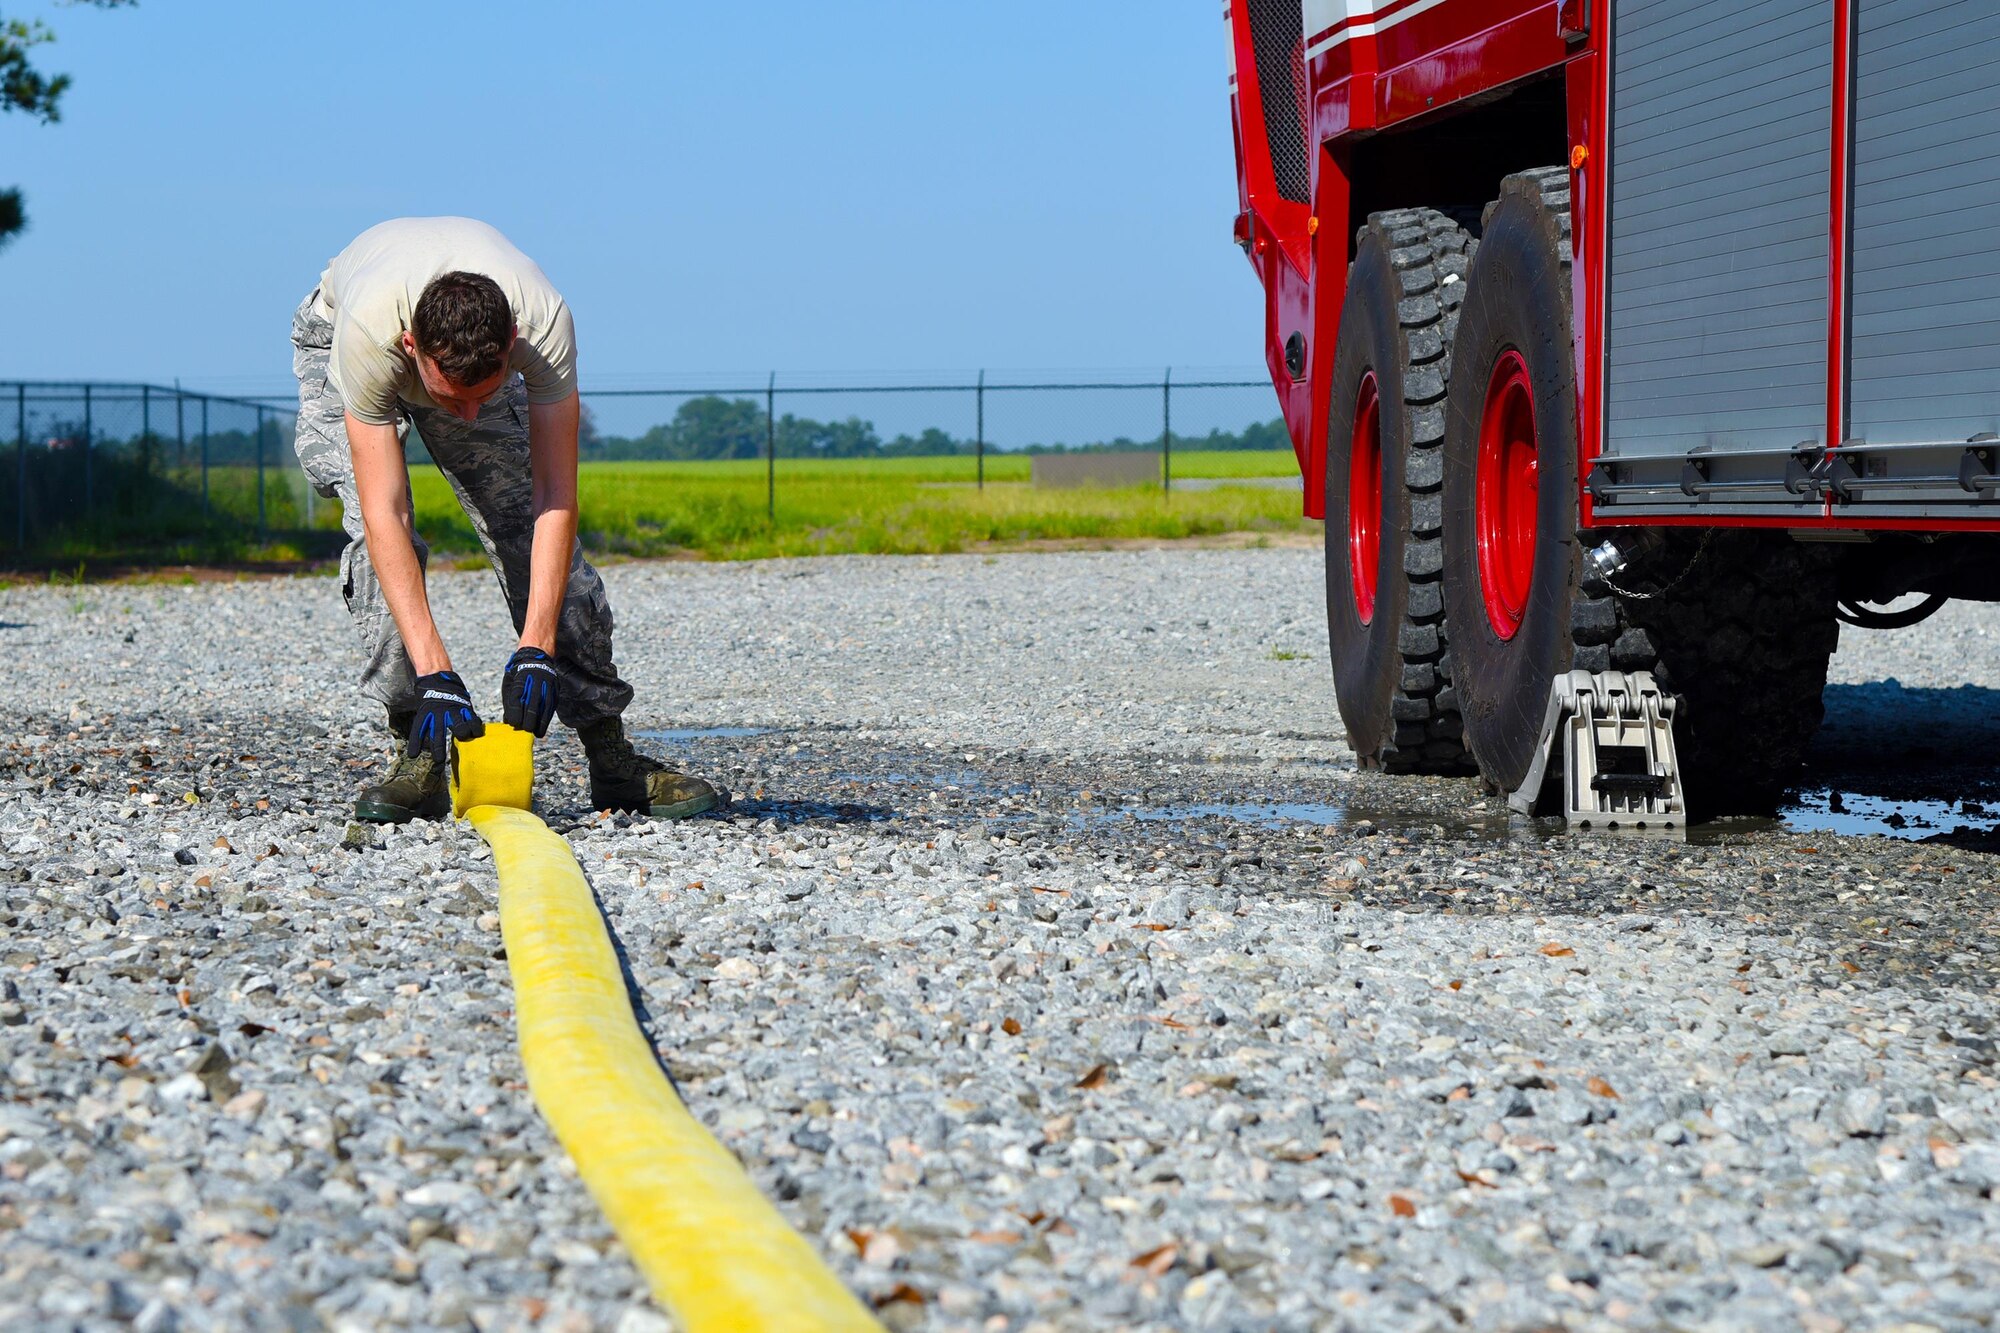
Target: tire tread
{"type": "Point", "coordinates": [1431, 254]}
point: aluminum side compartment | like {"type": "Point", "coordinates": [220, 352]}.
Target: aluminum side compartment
{"type": "Point", "coordinates": [1801, 317]}
{"type": "Point", "coordinates": [1716, 287]}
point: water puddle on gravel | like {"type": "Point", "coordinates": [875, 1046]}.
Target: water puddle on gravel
{"type": "Point", "coordinates": [964, 780]}
{"type": "Point", "coordinates": [684, 734]}
{"type": "Point", "coordinates": [1857, 815]}
{"type": "Point", "coordinates": [1486, 826]}
{"type": "Point", "coordinates": [1821, 811]}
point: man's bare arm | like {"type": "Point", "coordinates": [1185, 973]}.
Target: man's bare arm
{"type": "Point", "coordinates": [552, 431]}
{"type": "Point", "coordinates": [384, 484]}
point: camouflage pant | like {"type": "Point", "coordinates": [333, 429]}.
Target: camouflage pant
{"type": "Point", "coordinates": [486, 462]}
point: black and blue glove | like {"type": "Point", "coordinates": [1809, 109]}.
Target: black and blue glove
{"type": "Point", "coordinates": [444, 708]}
{"type": "Point", "coordinates": [528, 690]}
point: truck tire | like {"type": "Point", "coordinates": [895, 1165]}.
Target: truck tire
{"type": "Point", "coordinates": [1384, 603]}
{"type": "Point", "coordinates": [1737, 624]}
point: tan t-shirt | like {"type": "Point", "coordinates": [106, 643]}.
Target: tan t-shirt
{"type": "Point", "coordinates": [370, 288]}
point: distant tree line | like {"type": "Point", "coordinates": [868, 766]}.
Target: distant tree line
{"type": "Point", "coordinates": [714, 427]}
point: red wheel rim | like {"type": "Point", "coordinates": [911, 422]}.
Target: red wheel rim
{"type": "Point", "coordinates": [1508, 493]}
{"type": "Point", "coordinates": [1364, 498]}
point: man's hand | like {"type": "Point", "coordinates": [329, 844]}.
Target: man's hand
{"type": "Point", "coordinates": [528, 690]}
{"type": "Point", "coordinates": [444, 707]}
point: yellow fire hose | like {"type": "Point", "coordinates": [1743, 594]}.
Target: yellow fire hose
{"type": "Point", "coordinates": [714, 1250]}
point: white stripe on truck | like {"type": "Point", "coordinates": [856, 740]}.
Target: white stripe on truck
{"type": "Point", "coordinates": [1354, 18]}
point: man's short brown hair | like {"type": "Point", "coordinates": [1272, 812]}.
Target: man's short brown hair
{"type": "Point", "coordinates": [463, 322]}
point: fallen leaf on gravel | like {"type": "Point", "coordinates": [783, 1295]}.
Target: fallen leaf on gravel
{"type": "Point", "coordinates": [882, 1249]}
{"type": "Point", "coordinates": [1151, 925]}
{"type": "Point", "coordinates": [1600, 1088]}
{"type": "Point", "coordinates": [1043, 1222]}
{"type": "Point", "coordinates": [1011, 1026]}
{"type": "Point", "coordinates": [1169, 1021]}
{"type": "Point", "coordinates": [900, 1294]}
{"type": "Point", "coordinates": [222, 845]}
{"type": "Point", "coordinates": [1098, 1076]}
{"type": "Point", "coordinates": [1554, 950]}
{"type": "Point", "coordinates": [995, 1237]}
{"type": "Point", "coordinates": [1849, 965]}
{"type": "Point", "coordinates": [1158, 1260]}
{"type": "Point", "coordinates": [1456, 985]}
{"type": "Point", "coordinates": [1471, 1179]}
{"type": "Point", "coordinates": [1402, 1206]}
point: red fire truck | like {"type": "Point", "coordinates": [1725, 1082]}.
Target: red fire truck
{"type": "Point", "coordinates": [1626, 336]}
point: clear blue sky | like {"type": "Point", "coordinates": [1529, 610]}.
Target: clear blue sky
{"type": "Point", "coordinates": [815, 187]}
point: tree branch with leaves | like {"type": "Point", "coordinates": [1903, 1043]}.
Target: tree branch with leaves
{"type": "Point", "coordinates": [26, 89]}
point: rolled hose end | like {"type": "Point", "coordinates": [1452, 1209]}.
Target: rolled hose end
{"type": "Point", "coordinates": [497, 768]}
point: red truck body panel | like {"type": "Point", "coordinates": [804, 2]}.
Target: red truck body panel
{"type": "Point", "coordinates": [1364, 68]}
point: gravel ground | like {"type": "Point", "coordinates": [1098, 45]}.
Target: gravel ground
{"type": "Point", "coordinates": [1055, 969]}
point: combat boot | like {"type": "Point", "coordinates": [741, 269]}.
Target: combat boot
{"type": "Point", "coordinates": [414, 789]}
{"type": "Point", "coordinates": [623, 779]}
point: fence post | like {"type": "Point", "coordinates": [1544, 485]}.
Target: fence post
{"type": "Point", "coordinates": [1167, 431]}
{"type": "Point", "coordinates": [980, 445]}
{"type": "Point", "coordinates": [89, 483]}
{"type": "Point", "coordinates": [21, 467]}
{"type": "Point", "coordinates": [771, 447]}
{"type": "Point", "coordinates": [204, 457]}
{"type": "Point", "coordinates": [180, 428]}
{"type": "Point", "coordinates": [262, 531]}
{"type": "Point", "coordinates": [146, 429]}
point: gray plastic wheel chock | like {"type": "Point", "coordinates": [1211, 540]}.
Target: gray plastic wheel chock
{"type": "Point", "coordinates": [1619, 768]}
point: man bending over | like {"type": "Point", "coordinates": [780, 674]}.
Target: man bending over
{"type": "Point", "coordinates": [441, 323]}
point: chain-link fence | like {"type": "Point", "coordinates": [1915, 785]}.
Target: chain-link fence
{"type": "Point", "coordinates": [983, 417]}
{"type": "Point", "coordinates": [104, 468]}
{"type": "Point", "coordinates": [96, 463]}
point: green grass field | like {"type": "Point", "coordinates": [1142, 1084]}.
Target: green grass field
{"type": "Point", "coordinates": [717, 511]}
{"type": "Point", "coordinates": [881, 506]}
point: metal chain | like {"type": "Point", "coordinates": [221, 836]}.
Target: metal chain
{"type": "Point", "coordinates": [1678, 579]}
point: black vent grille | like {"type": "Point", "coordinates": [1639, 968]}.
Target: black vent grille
{"type": "Point", "coordinates": [1277, 31]}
